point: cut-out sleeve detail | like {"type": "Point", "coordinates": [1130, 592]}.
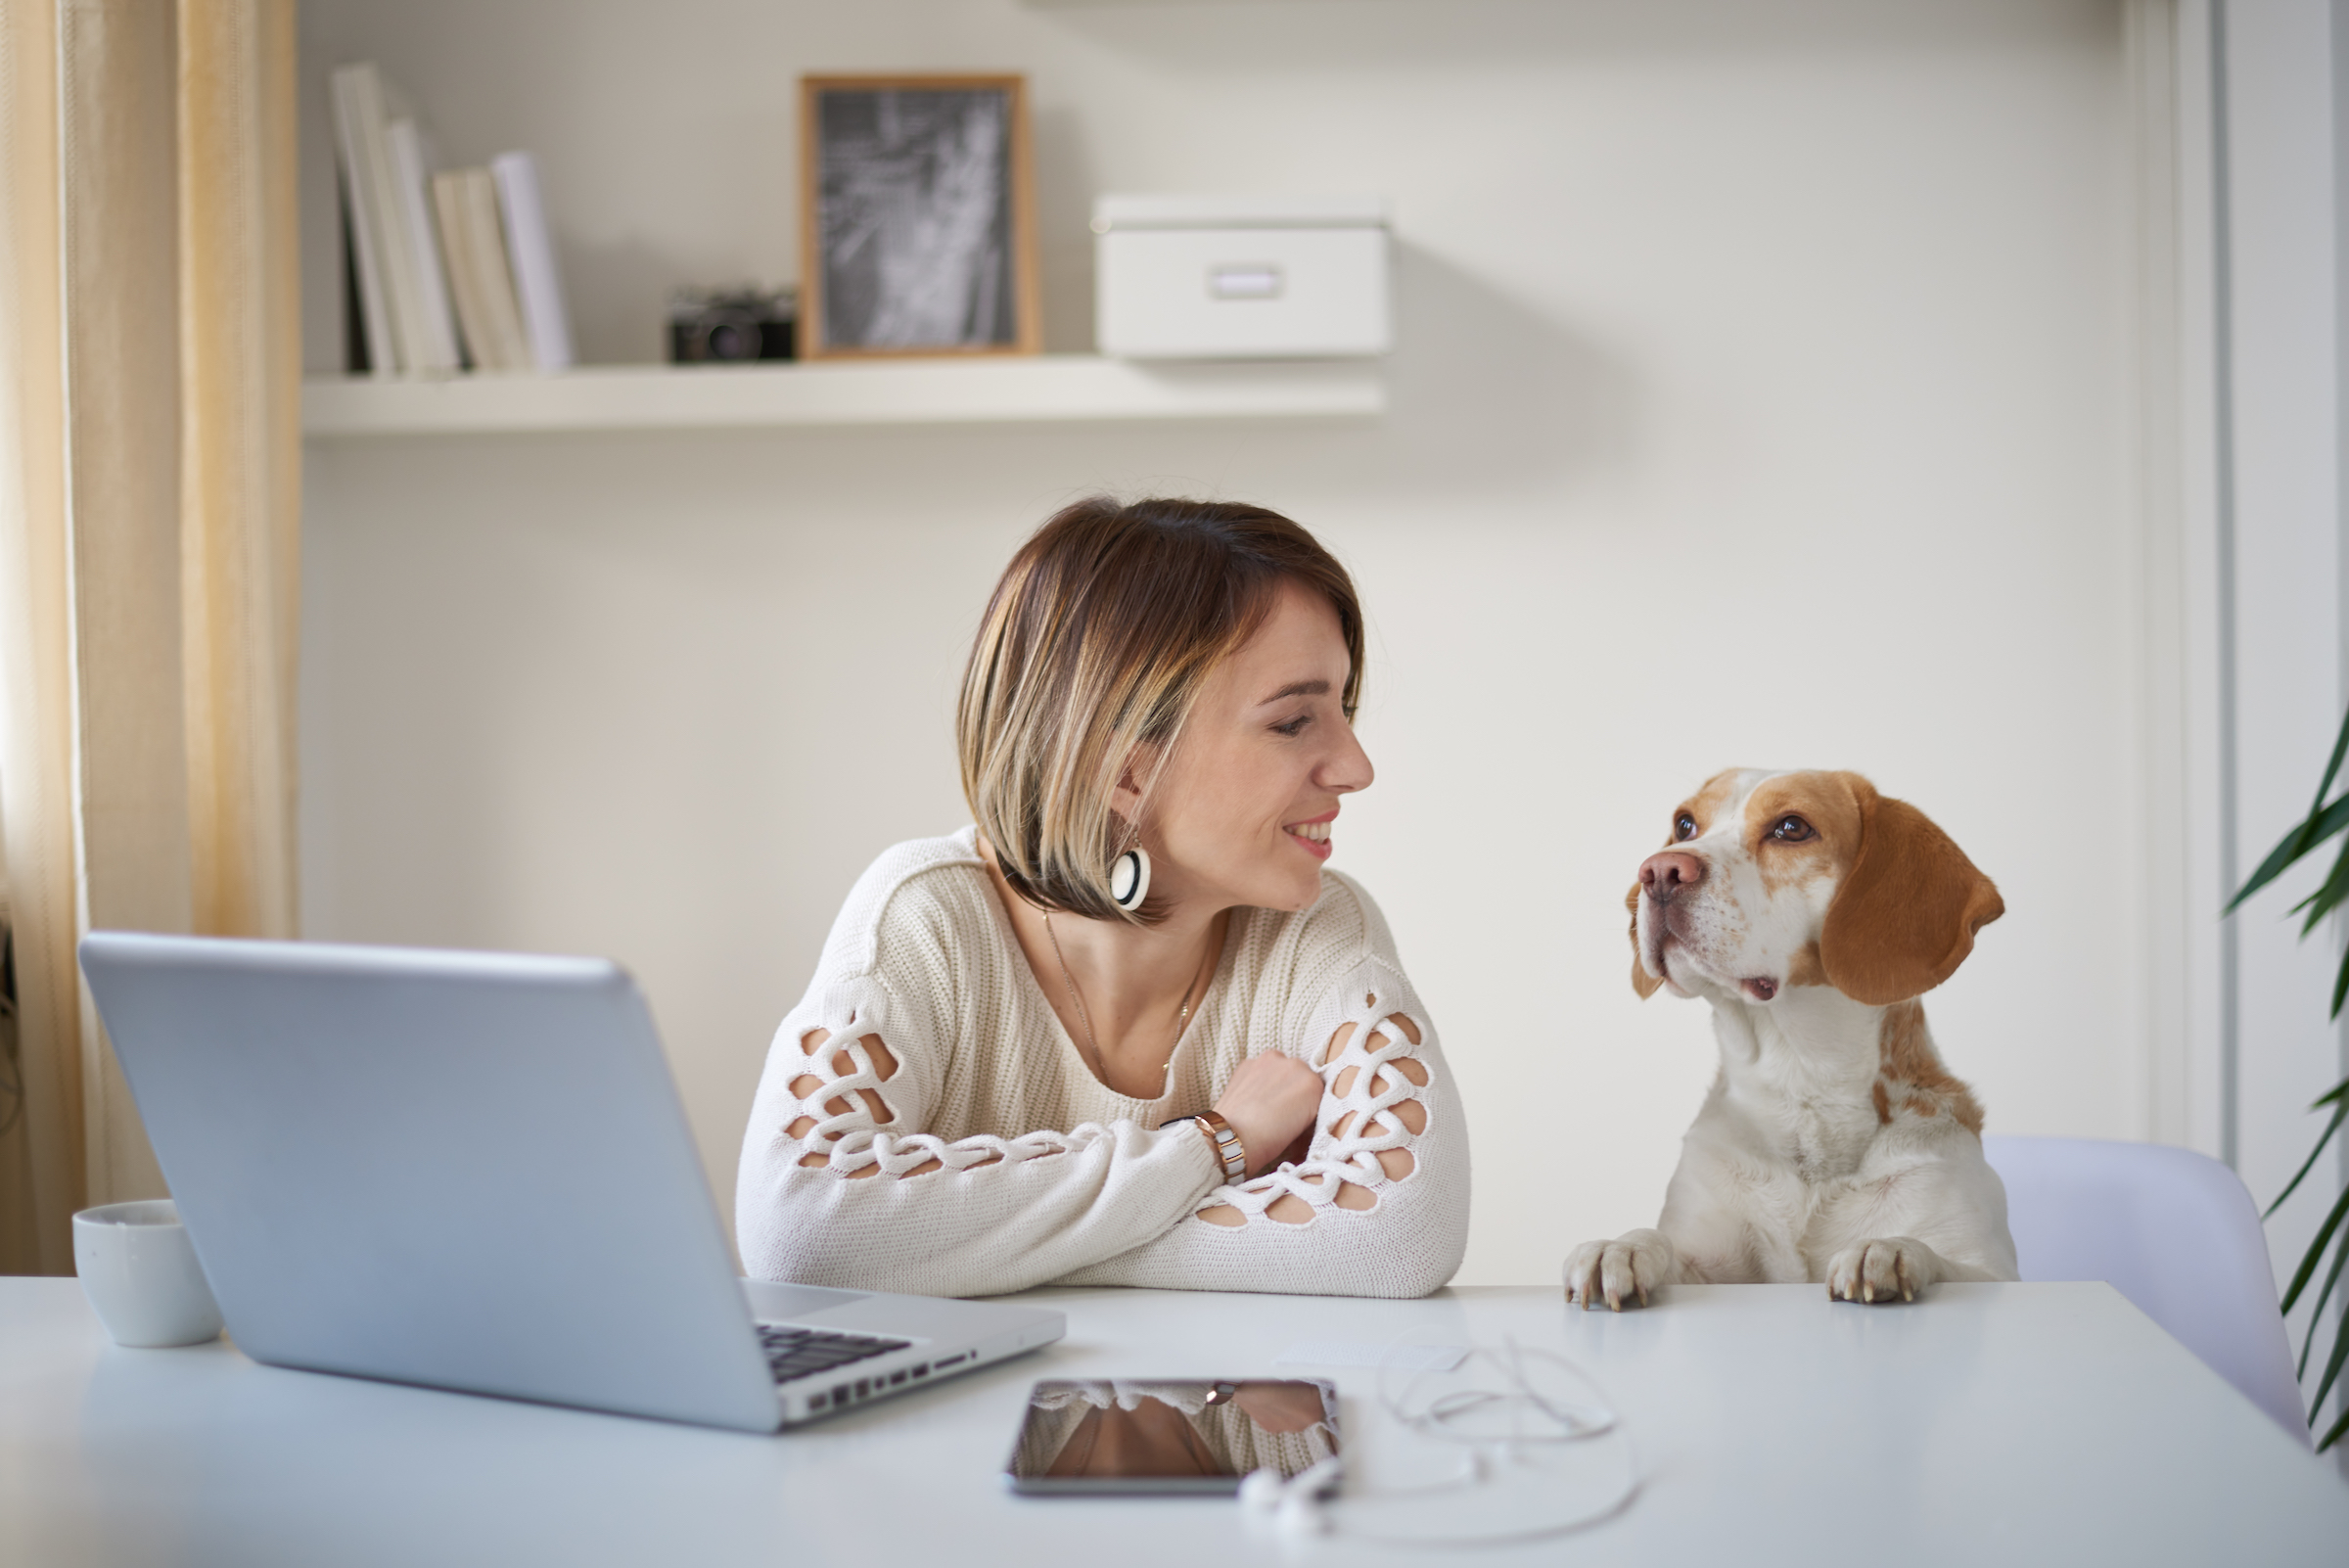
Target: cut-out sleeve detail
{"type": "Point", "coordinates": [1365, 1089]}
{"type": "Point", "coordinates": [968, 1216]}
{"type": "Point", "coordinates": [1379, 1204]}
{"type": "Point", "coordinates": [845, 1118]}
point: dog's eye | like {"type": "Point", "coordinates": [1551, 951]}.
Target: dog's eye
{"type": "Point", "coordinates": [1684, 827]}
{"type": "Point", "coordinates": [1792, 830]}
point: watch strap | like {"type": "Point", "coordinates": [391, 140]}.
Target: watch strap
{"type": "Point", "coordinates": [1230, 1152]}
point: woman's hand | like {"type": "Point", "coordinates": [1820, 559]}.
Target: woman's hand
{"type": "Point", "coordinates": [1270, 1103]}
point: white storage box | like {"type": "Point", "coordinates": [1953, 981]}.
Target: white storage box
{"type": "Point", "coordinates": [1187, 277]}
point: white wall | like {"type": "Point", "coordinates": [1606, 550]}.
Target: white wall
{"type": "Point", "coordinates": [2284, 342]}
{"type": "Point", "coordinates": [1760, 398]}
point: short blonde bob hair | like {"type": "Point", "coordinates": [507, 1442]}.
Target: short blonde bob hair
{"type": "Point", "coordinates": [1098, 639]}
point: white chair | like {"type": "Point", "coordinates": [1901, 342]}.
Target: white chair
{"type": "Point", "coordinates": [2173, 1231]}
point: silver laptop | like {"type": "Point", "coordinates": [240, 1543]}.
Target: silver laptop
{"type": "Point", "coordinates": [472, 1170]}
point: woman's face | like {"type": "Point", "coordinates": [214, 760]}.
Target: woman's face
{"type": "Point", "coordinates": [1244, 810]}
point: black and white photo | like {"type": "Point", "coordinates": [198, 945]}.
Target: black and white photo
{"type": "Point", "coordinates": [915, 217]}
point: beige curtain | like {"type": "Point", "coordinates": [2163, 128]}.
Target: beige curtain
{"type": "Point", "coordinates": [150, 444]}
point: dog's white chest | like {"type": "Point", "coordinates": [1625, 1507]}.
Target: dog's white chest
{"type": "Point", "coordinates": [1805, 1107]}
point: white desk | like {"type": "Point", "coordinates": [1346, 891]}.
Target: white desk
{"type": "Point", "coordinates": [1996, 1424]}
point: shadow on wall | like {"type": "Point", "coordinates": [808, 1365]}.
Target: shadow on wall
{"type": "Point", "coordinates": [1320, 36]}
{"type": "Point", "coordinates": [1488, 398]}
{"type": "Point", "coordinates": [1486, 391]}
{"type": "Point", "coordinates": [1066, 182]}
{"type": "Point", "coordinates": [618, 294]}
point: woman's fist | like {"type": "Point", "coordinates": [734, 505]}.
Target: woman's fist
{"type": "Point", "coordinates": [1270, 1103]}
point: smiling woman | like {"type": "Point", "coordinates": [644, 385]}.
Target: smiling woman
{"type": "Point", "coordinates": [1127, 1029]}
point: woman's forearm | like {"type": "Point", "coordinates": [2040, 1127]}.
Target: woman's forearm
{"type": "Point", "coordinates": [987, 1215]}
{"type": "Point", "coordinates": [1378, 1208]}
{"type": "Point", "coordinates": [1409, 1244]}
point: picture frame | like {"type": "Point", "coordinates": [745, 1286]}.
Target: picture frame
{"type": "Point", "coordinates": [917, 218]}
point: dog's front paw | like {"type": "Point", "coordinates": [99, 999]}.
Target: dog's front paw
{"type": "Point", "coordinates": [1888, 1269]}
{"type": "Point", "coordinates": [1619, 1271]}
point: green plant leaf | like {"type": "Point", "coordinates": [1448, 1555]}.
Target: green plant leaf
{"type": "Point", "coordinates": [2298, 841]}
{"type": "Point", "coordinates": [2328, 894]}
{"type": "Point", "coordinates": [2340, 750]}
{"type": "Point", "coordinates": [2332, 1371]}
{"type": "Point", "coordinates": [2316, 1255]}
{"type": "Point", "coordinates": [2331, 1127]}
{"type": "Point", "coordinates": [2338, 1091]}
{"type": "Point", "coordinates": [2315, 1314]}
{"type": "Point", "coordinates": [2339, 1428]}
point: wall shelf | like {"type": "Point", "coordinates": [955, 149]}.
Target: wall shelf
{"type": "Point", "coordinates": [930, 392]}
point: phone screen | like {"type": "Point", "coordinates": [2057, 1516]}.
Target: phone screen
{"type": "Point", "coordinates": [1151, 1437]}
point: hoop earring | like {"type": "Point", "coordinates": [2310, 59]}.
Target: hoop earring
{"type": "Point", "coordinates": [1130, 879]}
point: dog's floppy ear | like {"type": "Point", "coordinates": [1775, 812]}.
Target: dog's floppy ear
{"type": "Point", "coordinates": [1646, 983]}
{"type": "Point", "coordinates": [1905, 915]}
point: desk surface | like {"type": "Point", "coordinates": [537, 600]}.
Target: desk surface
{"type": "Point", "coordinates": [1989, 1423]}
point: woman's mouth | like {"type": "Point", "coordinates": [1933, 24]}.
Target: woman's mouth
{"type": "Point", "coordinates": [1313, 835]}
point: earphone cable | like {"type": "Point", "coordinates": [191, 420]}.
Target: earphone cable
{"type": "Point", "coordinates": [1302, 1507]}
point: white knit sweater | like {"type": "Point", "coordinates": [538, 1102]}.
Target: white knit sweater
{"type": "Point", "coordinates": [1048, 1174]}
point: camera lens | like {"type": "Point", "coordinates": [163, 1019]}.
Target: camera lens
{"type": "Point", "coordinates": [730, 334]}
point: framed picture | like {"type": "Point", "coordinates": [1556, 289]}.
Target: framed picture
{"type": "Point", "coordinates": [917, 217]}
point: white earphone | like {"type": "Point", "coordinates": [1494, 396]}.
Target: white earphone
{"type": "Point", "coordinates": [1507, 1438]}
{"type": "Point", "coordinates": [1293, 1504]}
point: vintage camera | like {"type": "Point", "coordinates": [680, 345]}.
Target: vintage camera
{"type": "Point", "coordinates": [712, 326]}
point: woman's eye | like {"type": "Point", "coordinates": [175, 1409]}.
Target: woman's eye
{"type": "Point", "coordinates": [1792, 830]}
{"type": "Point", "coordinates": [1295, 726]}
{"type": "Point", "coordinates": [1684, 827]}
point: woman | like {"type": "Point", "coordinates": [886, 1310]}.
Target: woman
{"type": "Point", "coordinates": [1126, 1029]}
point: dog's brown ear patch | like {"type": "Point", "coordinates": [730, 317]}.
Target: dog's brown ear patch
{"type": "Point", "coordinates": [1646, 983]}
{"type": "Point", "coordinates": [1906, 913]}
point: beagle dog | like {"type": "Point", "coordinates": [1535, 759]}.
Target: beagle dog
{"type": "Point", "coordinates": [1812, 913]}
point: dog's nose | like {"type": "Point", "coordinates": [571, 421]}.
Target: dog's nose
{"type": "Point", "coordinates": [1666, 872]}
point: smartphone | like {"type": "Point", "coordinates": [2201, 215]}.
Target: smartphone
{"type": "Point", "coordinates": [1167, 1436]}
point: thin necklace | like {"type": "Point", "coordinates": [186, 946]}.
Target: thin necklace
{"type": "Point", "coordinates": [1083, 1016]}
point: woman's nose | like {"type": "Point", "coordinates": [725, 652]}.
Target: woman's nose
{"type": "Point", "coordinates": [1350, 769]}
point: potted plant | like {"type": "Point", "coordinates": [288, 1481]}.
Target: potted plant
{"type": "Point", "coordinates": [2322, 822]}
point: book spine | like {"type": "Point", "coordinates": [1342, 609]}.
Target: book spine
{"type": "Point", "coordinates": [486, 237]}
{"type": "Point", "coordinates": [437, 333]}
{"type": "Point", "coordinates": [471, 327]}
{"type": "Point", "coordinates": [395, 250]}
{"type": "Point", "coordinates": [366, 246]}
{"type": "Point", "coordinates": [531, 252]}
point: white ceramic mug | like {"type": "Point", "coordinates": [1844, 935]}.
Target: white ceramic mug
{"type": "Point", "coordinates": [140, 1273]}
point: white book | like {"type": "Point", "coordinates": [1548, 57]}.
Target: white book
{"type": "Point", "coordinates": [473, 324]}
{"type": "Point", "coordinates": [349, 92]}
{"type": "Point", "coordinates": [484, 226]}
{"type": "Point", "coordinates": [531, 252]}
{"type": "Point", "coordinates": [436, 334]}
{"type": "Point", "coordinates": [394, 255]}
{"type": "Point", "coordinates": [473, 241]}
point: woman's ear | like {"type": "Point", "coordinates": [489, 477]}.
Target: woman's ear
{"type": "Point", "coordinates": [1134, 778]}
{"type": "Point", "coordinates": [1646, 983]}
{"type": "Point", "coordinates": [1906, 913]}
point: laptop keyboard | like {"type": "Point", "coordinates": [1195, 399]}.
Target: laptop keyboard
{"type": "Point", "coordinates": [796, 1353]}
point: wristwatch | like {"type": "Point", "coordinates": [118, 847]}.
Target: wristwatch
{"type": "Point", "coordinates": [1227, 1145]}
